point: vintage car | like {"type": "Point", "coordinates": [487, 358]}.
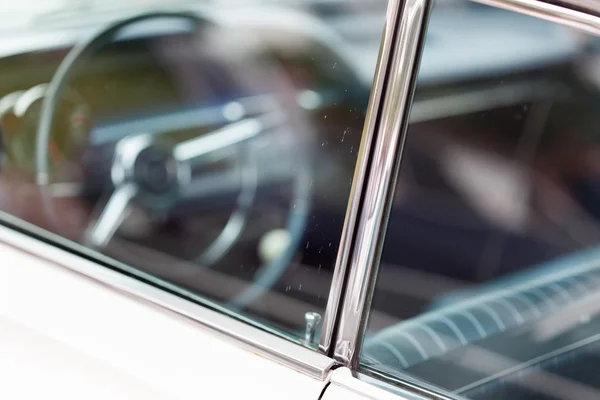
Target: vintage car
{"type": "Point", "coordinates": [316, 199]}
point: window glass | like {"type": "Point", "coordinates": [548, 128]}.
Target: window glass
{"type": "Point", "coordinates": [207, 145]}
{"type": "Point", "coordinates": [490, 275]}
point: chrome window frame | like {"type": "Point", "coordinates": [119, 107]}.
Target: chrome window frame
{"type": "Point", "coordinates": [383, 137]}
{"type": "Point", "coordinates": [379, 158]}
{"type": "Point", "coordinates": [364, 227]}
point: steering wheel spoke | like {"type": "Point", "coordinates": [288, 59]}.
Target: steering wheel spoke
{"type": "Point", "coordinates": [103, 228]}
{"type": "Point", "coordinates": [226, 137]}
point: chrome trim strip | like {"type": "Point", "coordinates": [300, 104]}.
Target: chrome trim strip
{"type": "Point", "coordinates": [261, 342]}
{"type": "Point", "coordinates": [383, 133]}
{"type": "Point", "coordinates": [564, 12]}
{"type": "Point", "coordinates": [336, 291]}
{"type": "Point", "coordinates": [353, 209]}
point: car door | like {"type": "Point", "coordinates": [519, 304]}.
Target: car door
{"type": "Point", "coordinates": [68, 331]}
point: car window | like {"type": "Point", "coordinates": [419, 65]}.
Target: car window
{"type": "Point", "coordinates": [207, 146]}
{"type": "Point", "coordinates": [489, 277]}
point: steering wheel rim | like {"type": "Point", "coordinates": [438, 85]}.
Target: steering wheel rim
{"type": "Point", "coordinates": [268, 274]}
{"type": "Point", "coordinates": [60, 78]}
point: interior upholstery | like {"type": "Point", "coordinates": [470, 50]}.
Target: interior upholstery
{"type": "Point", "coordinates": [578, 365]}
{"type": "Point", "coordinates": [498, 308]}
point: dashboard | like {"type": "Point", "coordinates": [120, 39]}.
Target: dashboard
{"type": "Point", "coordinates": [180, 84]}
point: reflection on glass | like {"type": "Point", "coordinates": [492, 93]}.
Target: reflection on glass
{"type": "Point", "coordinates": [211, 150]}
{"type": "Point", "coordinates": [490, 275]}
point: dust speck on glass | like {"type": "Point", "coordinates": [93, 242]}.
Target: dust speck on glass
{"type": "Point", "coordinates": [489, 281]}
{"type": "Point", "coordinates": [208, 145]}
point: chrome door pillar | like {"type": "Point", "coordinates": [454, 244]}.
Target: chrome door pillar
{"type": "Point", "coordinates": [374, 177]}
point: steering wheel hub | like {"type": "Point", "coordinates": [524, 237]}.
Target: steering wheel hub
{"type": "Point", "coordinates": [148, 164]}
{"type": "Point", "coordinates": [155, 170]}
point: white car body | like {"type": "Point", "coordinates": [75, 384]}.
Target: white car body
{"type": "Point", "coordinates": [90, 340]}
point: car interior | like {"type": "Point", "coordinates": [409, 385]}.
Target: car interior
{"type": "Point", "coordinates": [490, 258]}
{"type": "Point", "coordinates": [174, 77]}
{"type": "Point", "coordinates": [211, 147]}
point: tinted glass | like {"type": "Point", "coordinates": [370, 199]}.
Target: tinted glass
{"type": "Point", "coordinates": [209, 145]}
{"type": "Point", "coordinates": [489, 281]}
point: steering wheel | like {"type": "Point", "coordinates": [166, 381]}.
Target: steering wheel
{"type": "Point", "coordinates": [151, 171]}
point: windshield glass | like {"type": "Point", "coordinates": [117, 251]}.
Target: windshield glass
{"type": "Point", "coordinates": [489, 279]}
{"type": "Point", "coordinates": [207, 147]}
